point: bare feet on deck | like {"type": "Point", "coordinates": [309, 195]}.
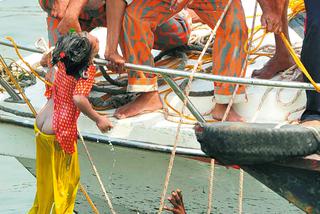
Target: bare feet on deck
{"type": "Point", "coordinates": [275, 65]}
{"type": "Point", "coordinates": [177, 202]}
{"type": "Point", "coordinates": [219, 110]}
{"type": "Point", "coordinates": [312, 123]}
{"type": "Point", "coordinates": [146, 102]}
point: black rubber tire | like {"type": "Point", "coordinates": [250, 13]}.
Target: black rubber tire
{"type": "Point", "coordinates": [247, 144]}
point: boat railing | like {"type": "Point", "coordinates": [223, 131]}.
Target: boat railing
{"type": "Point", "coordinates": [167, 73]}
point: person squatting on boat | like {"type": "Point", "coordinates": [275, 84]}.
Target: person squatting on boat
{"type": "Point", "coordinates": [57, 167]}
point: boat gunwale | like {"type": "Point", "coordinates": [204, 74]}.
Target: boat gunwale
{"type": "Point", "coordinates": [96, 138]}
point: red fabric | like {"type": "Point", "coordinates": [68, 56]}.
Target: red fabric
{"type": "Point", "coordinates": [66, 113]}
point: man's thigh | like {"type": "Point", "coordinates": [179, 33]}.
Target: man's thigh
{"type": "Point", "coordinates": [173, 33]}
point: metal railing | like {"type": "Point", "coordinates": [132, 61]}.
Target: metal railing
{"type": "Point", "coordinates": [166, 73]}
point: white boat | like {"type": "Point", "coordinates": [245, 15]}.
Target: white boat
{"type": "Point", "coordinates": [152, 131]}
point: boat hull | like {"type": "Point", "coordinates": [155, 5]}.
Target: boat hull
{"type": "Point", "coordinates": [134, 178]}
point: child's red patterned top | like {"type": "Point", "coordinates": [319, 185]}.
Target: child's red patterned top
{"type": "Point", "coordinates": [66, 113]}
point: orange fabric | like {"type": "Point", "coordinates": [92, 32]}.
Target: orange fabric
{"type": "Point", "coordinates": [142, 18]}
{"type": "Point", "coordinates": [66, 113]}
{"type": "Point", "coordinates": [173, 32]}
{"type": "Point", "coordinates": [228, 48]}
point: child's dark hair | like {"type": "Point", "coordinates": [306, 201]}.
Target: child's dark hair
{"type": "Point", "coordinates": [74, 51]}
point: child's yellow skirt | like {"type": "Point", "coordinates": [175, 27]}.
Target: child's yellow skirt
{"type": "Point", "coordinates": [58, 176]}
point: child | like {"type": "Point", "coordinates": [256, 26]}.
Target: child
{"type": "Point", "coordinates": [56, 125]}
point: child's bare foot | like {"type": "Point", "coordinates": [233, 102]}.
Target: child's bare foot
{"type": "Point", "coordinates": [146, 102]}
{"type": "Point", "coordinates": [219, 110]}
{"type": "Point", "coordinates": [177, 202]}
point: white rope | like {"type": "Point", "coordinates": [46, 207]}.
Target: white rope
{"type": "Point", "coordinates": [211, 182]}
{"type": "Point", "coordinates": [244, 66]}
{"type": "Point", "coordinates": [108, 200]}
{"type": "Point", "coordinates": [240, 201]}
{"type": "Point", "coordinates": [243, 71]}
{"type": "Point", "coordinates": [187, 90]}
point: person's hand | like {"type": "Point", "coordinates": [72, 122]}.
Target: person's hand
{"type": "Point", "coordinates": [271, 21]}
{"type": "Point", "coordinates": [45, 60]}
{"type": "Point", "coordinates": [59, 8]}
{"type": "Point", "coordinates": [272, 12]}
{"type": "Point", "coordinates": [68, 22]}
{"type": "Point", "coordinates": [177, 203]}
{"type": "Point", "coordinates": [116, 62]}
{"type": "Point", "coordinates": [104, 124]}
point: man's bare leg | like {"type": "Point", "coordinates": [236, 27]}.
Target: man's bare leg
{"type": "Point", "coordinates": [281, 59]}
{"type": "Point", "coordinates": [148, 101]}
{"type": "Point", "coordinates": [219, 110]}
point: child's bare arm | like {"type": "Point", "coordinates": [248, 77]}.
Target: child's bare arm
{"type": "Point", "coordinates": [85, 107]}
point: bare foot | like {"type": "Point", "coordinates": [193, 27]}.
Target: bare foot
{"type": "Point", "coordinates": [312, 123]}
{"type": "Point", "coordinates": [219, 110]}
{"type": "Point", "coordinates": [275, 65]}
{"type": "Point", "coordinates": [177, 202]}
{"type": "Point", "coordinates": [148, 101]}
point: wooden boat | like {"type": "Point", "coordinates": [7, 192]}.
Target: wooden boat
{"type": "Point", "coordinates": [155, 132]}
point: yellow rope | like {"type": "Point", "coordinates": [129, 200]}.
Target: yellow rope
{"type": "Point", "coordinates": [295, 7]}
{"type": "Point", "coordinates": [17, 74]}
{"type": "Point", "coordinates": [16, 84]}
{"type": "Point", "coordinates": [26, 63]}
{"type": "Point", "coordinates": [165, 99]}
{"type": "Point", "coordinates": [290, 50]}
{"type": "Point", "coordinates": [84, 192]}
{"type": "Point", "coordinates": [298, 62]}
